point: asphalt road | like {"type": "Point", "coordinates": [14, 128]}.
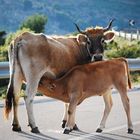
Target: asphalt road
{"type": "Point", "coordinates": [49, 112]}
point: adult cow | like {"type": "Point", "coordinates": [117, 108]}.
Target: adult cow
{"type": "Point", "coordinates": [33, 56]}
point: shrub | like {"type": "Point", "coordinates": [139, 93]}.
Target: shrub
{"type": "Point", "coordinates": [123, 49]}
{"type": "Point", "coordinates": [36, 23]}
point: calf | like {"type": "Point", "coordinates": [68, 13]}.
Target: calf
{"type": "Point", "coordinates": [89, 80]}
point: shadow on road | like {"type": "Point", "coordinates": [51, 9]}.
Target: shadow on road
{"type": "Point", "coordinates": [40, 136]}
{"type": "Point", "coordinates": [103, 136]}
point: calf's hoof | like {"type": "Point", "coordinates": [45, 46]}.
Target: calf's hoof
{"type": "Point", "coordinates": [99, 130]}
{"type": "Point", "coordinates": [16, 128]}
{"type": "Point", "coordinates": [75, 128]}
{"type": "Point", "coordinates": [130, 131]}
{"type": "Point", "coordinates": [35, 130]}
{"type": "Point", "coordinates": [63, 123]}
{"type": "Point", "coordinates": [67, 131]}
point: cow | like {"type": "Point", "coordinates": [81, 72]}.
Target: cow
{"type": "Point", "coordinates": [93, 79]}
{"type": "Point", "coordinates": [36, 56]}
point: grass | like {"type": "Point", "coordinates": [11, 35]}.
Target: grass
{"type": "Point", "coordinates": [3, 92]}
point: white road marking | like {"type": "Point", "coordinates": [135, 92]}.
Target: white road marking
{"type": "Point", "coordinates": [55, 131]}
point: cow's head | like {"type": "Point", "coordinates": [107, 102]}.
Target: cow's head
{"type": "Point", "coordinates": [95, 39]}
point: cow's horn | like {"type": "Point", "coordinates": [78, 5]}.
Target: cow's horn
{"type": "Point", "coordinates": [82, 32]}
{"type": "Point", "coordinates": [109, 25]}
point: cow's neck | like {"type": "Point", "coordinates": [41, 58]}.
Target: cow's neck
{"type": "Point", "coordinates": [84, 55]}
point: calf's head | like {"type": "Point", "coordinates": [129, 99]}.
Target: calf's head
{"type": "Point", "coordinates": [95, 39]}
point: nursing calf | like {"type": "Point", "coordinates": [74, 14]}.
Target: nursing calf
{"type": "Point", "coordinates": [89, 80]}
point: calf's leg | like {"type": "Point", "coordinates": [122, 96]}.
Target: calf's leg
{"type": "Point", "coordinates": [65, 117]}
{"type": "Point", "coordinates": [108, 105]}
{"type": "Point", "coordinates": [126, 105]}
{"type": "Point", "coordinates": [71, 117]}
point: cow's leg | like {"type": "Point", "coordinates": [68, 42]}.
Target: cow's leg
{"type": "Point", "coordinates": [71, 117]}
{"type": "Point", "coordinates": [17, 87]}
{"type": "Point", "coordinates": [30, 93]}
{"type": "Point", "coordinates": [65, 116]}
{"type": "Point", "coordinates": [126, 105]}
{"type": "Point", "coordinates": [108, 105]}
{"type": "Point", "coordinates": [32, 80]}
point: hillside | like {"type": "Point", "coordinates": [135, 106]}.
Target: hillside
{"type": "Point", "coordinates": [62, 13]}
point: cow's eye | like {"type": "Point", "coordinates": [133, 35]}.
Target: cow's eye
{"type": "Point", "coordinates": [88, 42]}
{"type": "Point", "coordinates": [102, 41]}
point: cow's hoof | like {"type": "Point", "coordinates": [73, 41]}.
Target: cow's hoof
{"type": "Point", "coordinates": [130, 131]}
{"type": "Point", "coordinates": [67, 131]}
{"type": "Point", "coordinates": [16, 128]}
{"type": "Point", "coordinates": [75, 128]}
{"type": "Point", "coordinates": [35, 130]}
{"type": "Point", "coordinates": [63, 123]}
{"type": "Point", "coordinates": [99, 130]}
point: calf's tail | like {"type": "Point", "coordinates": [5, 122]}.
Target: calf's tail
{"type": "Point", "coordinates": [128, 74]}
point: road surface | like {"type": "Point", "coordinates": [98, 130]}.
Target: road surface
{"type": "Point", "coordinates": [49, 112]}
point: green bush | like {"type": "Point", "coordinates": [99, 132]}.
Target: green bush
{"type": "Point", "coordinates": [123, 49]}
{"type": "Point", "coordinates": [36, 23]}
{"type": "Point", "coordinates": [135, 77]}
{"type": "Point", "coordinates": [127, 52]}
{"type": "Point", "coordinates": [2, 37]}
{"type": "Point", "coordinates": [9, 38]}
{"type": "Point", "coordinates": [3, 53]}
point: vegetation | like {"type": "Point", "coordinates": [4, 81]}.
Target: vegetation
{"type": "Point", "coordinates": [2, 37]}
{"type": "Point", "coordinates": [36, 23]}
{"type": "Point", "coordinates": [9, 38]}
{"type": "Point", "coordinates": [123, 48]}
{"type": "Point", "coordinates": [62, 14]}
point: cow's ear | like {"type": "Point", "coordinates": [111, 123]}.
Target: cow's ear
{"type": "Point", "coordinates": [109, 36]}
{"type": "Point", "coordinates": [81, 39]}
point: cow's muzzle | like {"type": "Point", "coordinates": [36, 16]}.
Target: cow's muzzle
{"type": "Point", "coordinates": [97, 57]}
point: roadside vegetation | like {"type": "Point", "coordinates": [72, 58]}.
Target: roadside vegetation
{"type": "Point", "coordinates": [117, 48]}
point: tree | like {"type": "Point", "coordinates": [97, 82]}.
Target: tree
{"type": "Point", "coordinates": [35, 22]}
{"type": "Point", "coordinates": [2, 37]}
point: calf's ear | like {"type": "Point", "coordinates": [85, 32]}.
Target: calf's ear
{"type": "Point", "coordinates": [81, 39]}
{"type": "Point", "coordinates": [109, 36]}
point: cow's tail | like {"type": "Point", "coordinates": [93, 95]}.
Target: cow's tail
{"type": "Point", "coordinates": [10, 91]}
{"type": "Point", "coordinates": [128, 74]}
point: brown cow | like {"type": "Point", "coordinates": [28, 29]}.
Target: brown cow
{"type": "Point", "coordinates": [33, 56]}
{"type": "Point", "coordinates": [89, 80]}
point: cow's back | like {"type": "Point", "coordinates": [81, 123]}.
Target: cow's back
{"type": "Point", "coordinates": [57, 54]}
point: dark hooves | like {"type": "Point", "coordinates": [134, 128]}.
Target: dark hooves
{"type": "Point", "coordinates": [16, 128]}
{"type": "Point", "coordinates": [63, 123]}
{"type": "Point", "coordinates": [67, 131]}
{"type": "Point", "coordinates": [35, 130]}
{"type": "Point", "coordinates": [75, 128]}
{"type": "Point", "coordinates": [99, 130]}
{"type": "Point", "coordinates": [130, 131]}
